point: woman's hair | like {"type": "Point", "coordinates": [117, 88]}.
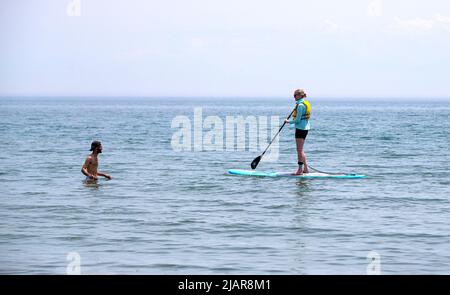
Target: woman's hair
{"type": "Point", "coordinates": [300, 92]}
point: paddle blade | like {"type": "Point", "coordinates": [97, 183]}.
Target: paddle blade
{"type": "Point", "coordinates": [255, 162]}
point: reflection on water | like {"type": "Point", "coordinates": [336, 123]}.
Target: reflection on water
{"type": "Point", "coordinates": [92, 185]}
{"type": "Point", "coordinates": [302, 185]}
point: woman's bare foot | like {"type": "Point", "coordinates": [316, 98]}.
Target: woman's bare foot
{"type": "Point", "coordinates": [299, 171]}
{"type": "Point", "coordinates": [300, 168]}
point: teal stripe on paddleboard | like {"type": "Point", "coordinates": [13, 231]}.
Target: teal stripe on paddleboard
{"type": "Point", "coordinates": [286, 174]}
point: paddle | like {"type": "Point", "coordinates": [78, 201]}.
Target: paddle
{"type": "Point", "coordinates": [257, 159]}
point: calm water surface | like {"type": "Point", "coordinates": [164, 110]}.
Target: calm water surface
{"type": "Point", "coordinates": [177, 212]}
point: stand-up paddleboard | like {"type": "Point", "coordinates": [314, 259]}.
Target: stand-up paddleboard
{"type": "Point", "coordinates": [290, 174]}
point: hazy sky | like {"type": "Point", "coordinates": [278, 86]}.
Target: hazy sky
{"type": "Point", "coordinates": [391, 48]}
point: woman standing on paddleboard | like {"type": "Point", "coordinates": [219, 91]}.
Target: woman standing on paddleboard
{"type": "Point", "coordinates": [300, 117]}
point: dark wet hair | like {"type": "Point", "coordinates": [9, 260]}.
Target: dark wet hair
{"type": "Point", "coordinates": [95, 144]}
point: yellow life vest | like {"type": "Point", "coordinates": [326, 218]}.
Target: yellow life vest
{"type": "Point", "coordinates": [307, 114]}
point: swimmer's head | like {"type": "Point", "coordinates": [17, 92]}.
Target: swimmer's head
{"type": "Point", "coordinates": [96, 146]}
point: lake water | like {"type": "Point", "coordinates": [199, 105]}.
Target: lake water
{"type": "Point", "coordinates": [168, 211]}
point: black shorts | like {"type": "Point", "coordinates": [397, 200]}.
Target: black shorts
{"type": "Point", "coordinates": [301, 133]}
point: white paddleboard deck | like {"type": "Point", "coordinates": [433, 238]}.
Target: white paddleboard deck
{"type": "Point", "coordinates": [291, 175]}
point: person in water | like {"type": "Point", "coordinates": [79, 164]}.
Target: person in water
{"type": "Point", "coordinates": [90, 165]}
{"type": "Point", "coordinates": [300, 117]}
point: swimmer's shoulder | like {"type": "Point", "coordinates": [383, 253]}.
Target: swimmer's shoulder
{"type": "Point", "coordinates": [89, 158]}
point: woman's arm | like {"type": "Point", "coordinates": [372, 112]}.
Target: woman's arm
{"type": "Point", "coordinates": [298, 116]}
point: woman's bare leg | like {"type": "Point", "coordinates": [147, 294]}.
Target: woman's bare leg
{"type": "Point", "coordinates": [300, 156]}
{"type": "Point", "coordinates": [305, 164]}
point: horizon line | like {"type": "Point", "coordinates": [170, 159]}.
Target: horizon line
{"type": "Point", "coordinates": [230, 97]}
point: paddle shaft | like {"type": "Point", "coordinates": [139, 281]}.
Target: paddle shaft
{"type": "Point", "coordinates": [279, 130]}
